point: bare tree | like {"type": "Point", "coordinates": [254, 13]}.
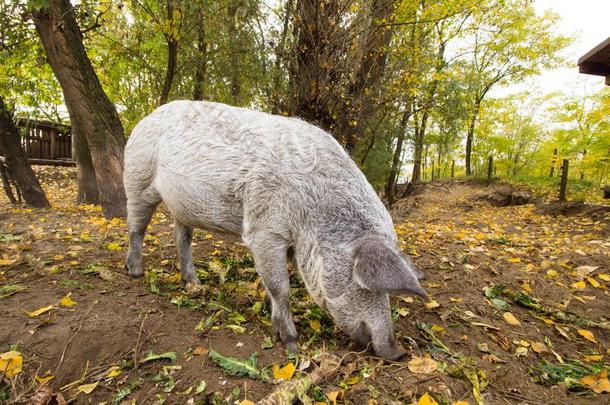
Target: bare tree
{"type": "Point", "coordinates": [17, 163]}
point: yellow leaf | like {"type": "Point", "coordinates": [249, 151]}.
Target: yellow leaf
{"type": "Point", "coordinates": [460, 299]}
{"type": "Point", "coordinates": [39, 311]}
{"type": "Point", "coordinates": [174, 278]}
{"type": "Point", "coordinates": [43, 380]}
{"type": "Point", "coordinates": [67, 301]}
{"type": "Point", "coordinates": [594, 357]}
{"type": "Point", "coordinates": [510, 319]}
{"type": "Point", "coordinates": [422, 365]}
{"type": "Point", "coordinates": [597, 383]}
{"type": "Point", "coordinates": [87, 388]}
{"type": "Point", "coordinates": [332, 397]}
{"type": "Point", "coordinates": [580, 285]}
{"type": "Point", "coordinates": [461, 403]}
{"type": "Point", "coordinates": [284, 373]}
{"type": "Point", "coordinates": [11, 363]}
{"type": "Point", "coordinates": [200, 351]}
{"type": "Point", "coordinates": [246, 402]}
{"type": "Point", "coordinates": [514, 260]}
{"type": "Point", "coordinates": [539, 347]}
{"type": "Point", "coordinates": [552, 273]}
{"type": "Point", "coordinates": [426, 399]}
{"type": "Point", "coordinates": [587, 334]}
{"type": "Point", "coordinates": [353, 380]}
{"type": "Point", "coordinates": [7, 262]}
{"type": "Point", "coordinates": [58, 257]}
{"type": "Point", "coordinates": [113, 371]}
{"type": "Point", "coordinates": [593, 282]}
{"type": "Point", "coordinates": [432, 304]}
{"type": "Point", "coordinates": [605, 277]}
{"type": "Point", "coordinates": [113, 246]}
{"type": "Point", "coordinates": [315, 325]}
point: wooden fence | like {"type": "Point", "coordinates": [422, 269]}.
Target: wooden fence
{"type": "Point", "coordinates": [45, 141]}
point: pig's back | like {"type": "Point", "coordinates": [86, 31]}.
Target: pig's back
{"type": "Point", "coordinates": [203, 155]}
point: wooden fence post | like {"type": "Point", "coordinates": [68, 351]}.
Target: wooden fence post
{"type": "Point", "coordinates": [490, 164]}
{"type": "Point", "coordinates": [563, 185]}
{"type": "Point", "coordinates": [452, 168]}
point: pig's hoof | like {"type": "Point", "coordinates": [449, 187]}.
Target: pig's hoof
{"type": "Point", "coordinates": [194, 290]}
{"type": "Point", "coordinates": [292, 347]}
{"type": "Point", "coordinates": [194, 281]}
{"type": "Point", "coordinates": [134, 273]}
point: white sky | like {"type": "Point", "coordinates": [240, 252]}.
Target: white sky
{"type": "Point", "coordinates": [589, 22]}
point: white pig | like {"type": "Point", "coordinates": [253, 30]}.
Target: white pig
{"type": "Point", "coordinates": [283, 185]}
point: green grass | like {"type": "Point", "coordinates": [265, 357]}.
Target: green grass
{"type": "Point", "coordinates": [548, 188]}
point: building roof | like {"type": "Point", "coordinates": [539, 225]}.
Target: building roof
{"type": "Point", "coordinates": [42, 124]}
{"type": "Point", "coordinates": [597, 61]}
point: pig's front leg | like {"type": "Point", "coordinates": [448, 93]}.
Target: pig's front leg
{"type": "Point", "coordinates": [270, 260]}
{"type": "Point", "coordinates": [184, 236]}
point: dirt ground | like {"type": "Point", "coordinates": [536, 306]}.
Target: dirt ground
{"type": "Point", "coordinates": [518, 309]}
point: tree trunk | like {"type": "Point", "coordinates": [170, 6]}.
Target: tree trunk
{"type": "Point", "coordinates": [279, 55]}
{"type": "Point", "coordinates": [390, 188]}
{"type": "Point", "coordinates": [470, 136]}
{"type": "Point", "coordinates": [202, 62]}
{"type": "Point", "coordinates": [90, 109]}
{"type": "Point", "coordinates": [362, 92]}
{"type": "Point", "coordinates": [6, 183]}
{"type": "Point", "coordinates": [172, 57]}
{"type": "Point", "coordinates": [236, 86]}
{"type": "Point", "coordinates": [17, 164]}
{"type": "Point", "coordinates": [88, 192]}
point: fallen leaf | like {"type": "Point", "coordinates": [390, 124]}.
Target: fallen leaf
{"type": "Point", "coordinates": [284, 373]}
{"type": "Point", "coordinates": [43, 380]}
{"type": "Point", "coordinates": [539, 347]}
{"type": "Point", "coordinates": [39, 311]}
{"type": "Point", "coordinates": [432, 304]}
{"type": "Point", "coordinates": [492, 358]}
{"type": "Point", "coordinates": [605, 277]}
{"type": "Point", "coordinates": [201, 387]}
{"type": "Point", "coordinates": [593, 282]}
{"type": "Point", "coordinates": [200, 351]}
{"type": "Point", "coordinates": [87, 388]}
{"type": "Point", "coordinates": [594, 357]}
{"type": "Point", "coordinates": [333, 396]}
{"type": "Point", "coordinates": [426, 399]}
{"type": "Point", "coordinates": [113, 371]}
{"type": "Point", "coordinates": [422, 365]}
{"type": "Point", "coordinates": [67, 301]}
{"type": "Point", "coordinates": [11, 363]}
{"type": "Point", "coordinates": [113, 246]}
{"type": "Point", "coordinates": [315, 325]}
{"type": "Point", "coordinates": [510, 319]}
{"type": "Point", "coordinates": [579, 285]}
{"type": "Point", "coordinates": [597, 383]}
{"type": "Point", "coordinates": [552, 273]}
{"type": "Point", "coordinates": [521, 351]}
{"type": "Point", "coordinates": [587, 334]}
{"type": "Point", "coordinates": [246, 402]}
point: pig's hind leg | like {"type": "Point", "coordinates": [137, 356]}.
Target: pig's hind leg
{"type": "Point", "coordinates": [140, 209]}
{"type": "Point", "coordinates": [184, 236]}
{"type": "Point", "coordinates": [270, 259]}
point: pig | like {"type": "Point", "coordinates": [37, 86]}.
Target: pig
{"type": "Point", "coordinates": [291, 192]}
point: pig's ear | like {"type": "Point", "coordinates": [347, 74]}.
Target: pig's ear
{"type": "Point", "coordinates": [378, 267]}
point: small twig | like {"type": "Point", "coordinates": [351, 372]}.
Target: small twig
{"type": "Point", "coordinates": [136, 350]}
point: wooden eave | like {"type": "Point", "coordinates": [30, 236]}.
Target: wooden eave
{"type": "Point", "coordinates": [597, 61]}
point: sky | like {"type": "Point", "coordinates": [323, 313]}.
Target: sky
{"type": "Point", "coordinates": [588, 21]}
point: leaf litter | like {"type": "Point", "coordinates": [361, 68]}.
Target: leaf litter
{"type": "Point", "coordinates": [533, 264]}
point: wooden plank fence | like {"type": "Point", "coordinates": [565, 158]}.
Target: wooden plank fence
{"type": "Point", "coordinates": [45, 141]}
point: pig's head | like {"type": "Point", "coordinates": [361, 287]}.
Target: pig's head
{"type": "Point", "coordinates": [379, 269]}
